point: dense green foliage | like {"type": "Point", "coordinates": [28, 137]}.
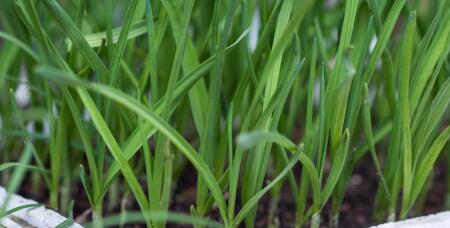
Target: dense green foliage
{"type": "Point", "coordinates": [124, 96]}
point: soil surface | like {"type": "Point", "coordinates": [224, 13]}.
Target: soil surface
{"type": "Point", "coordinates": [356, 210]}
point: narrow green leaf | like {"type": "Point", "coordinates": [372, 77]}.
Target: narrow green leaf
{"type": "Point", "coordinates": [134, 142]}
{"type": "Point", "coordinates": [405, 109]}
{"type": "Point", "coordinates": [144, 112]}
{"type": "Point", "coordinates": [427, 164]}
{"type": "Point", "coordinates": [16, 209]}
{"type": "Point", "coordinates": [72, 31]}
{"type": "Point", "coordinates": [433, 117]}
{"type": "Point", "coordinates": [246, 141]}
{"type": "Point", "coordinates": [251, 203]}
{"type": "Point", "coordinates": [339, 105]}
{"type": "Point", "coordinates": [9, 165]}
{"type": "Point", "coordinates": [367, 124]}
{"type": "Point", "coordinates": [19, 44]}
{"type": "Point", "coordinates": [428, 62]}
{"type": "Point", "coordinates": [94, 40]}
{"type": "Point", "coordinates": [121, 43]}
{"type": "Point", "coordinates": [336, 168]}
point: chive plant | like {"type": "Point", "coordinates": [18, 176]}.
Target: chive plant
{"type": "Point", "coordinates": [124, 96]}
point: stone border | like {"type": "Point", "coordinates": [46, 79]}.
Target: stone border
{"type": "Point", "coordinates": [441, 219]}
{"type": "Point", "coordinates": [34, 217]}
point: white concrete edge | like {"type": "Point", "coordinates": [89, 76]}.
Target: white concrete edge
{"type": "Point", "coordinates": [441, 219]}
{"type": "Point", "coordinates": [36, 217]}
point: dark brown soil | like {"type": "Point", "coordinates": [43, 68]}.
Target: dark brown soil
{"type": "Point", "coordinates": [356, 209]}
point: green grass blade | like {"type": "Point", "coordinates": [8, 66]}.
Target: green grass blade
{"type": "Point", "coordinates": [94, 40]}
{"type": "Point", "coordinates": [426, 165]}
{"type": "Point", "coordinates": [72, 31]}
{"type": "Point", "coordinates": [19, 44]}
{"type": "Point", "coordinates": [252, 139]}
{"type": "Point", "coordinates": [210, 131]}
{"type": "Point", "coordinates": [119, 49]}
{"type": "Point", "coordinates": [89, 151]}
{"type": "Point", "coordinates": [351, 8]}
{"type": "Point", "coordinates": [434, 115]}
{"type": "Point", "coordinates": [336, 168]}
{"type": "Point", "coordinates": [249, 140]}
{"type": "Point", "coordinates": [339, 104]}
{"type": "Point", "coordinates": [429, 60]}
{"type": "Point", "coordinates": [162, 157]}
{"type": "Point", "coordinates": [16, 209]}
{"type": "Point", "coordinates": [150, 116]}
{"type": "Point", "coordinates": [9, 165]}
{"type": "Point", "coordinates": [251, 203]}
{"type": "Point", "coordinates": [405, 109]}
{"type": "Point", "coordinates": [150, 26]}
{"type": "Point", "coordinates": [367, 124]}
{"type": "Point", "coordinates": [134, 142]}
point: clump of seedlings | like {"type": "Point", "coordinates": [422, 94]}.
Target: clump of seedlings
{"type": "Point", "coordinates": [122, 112]}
